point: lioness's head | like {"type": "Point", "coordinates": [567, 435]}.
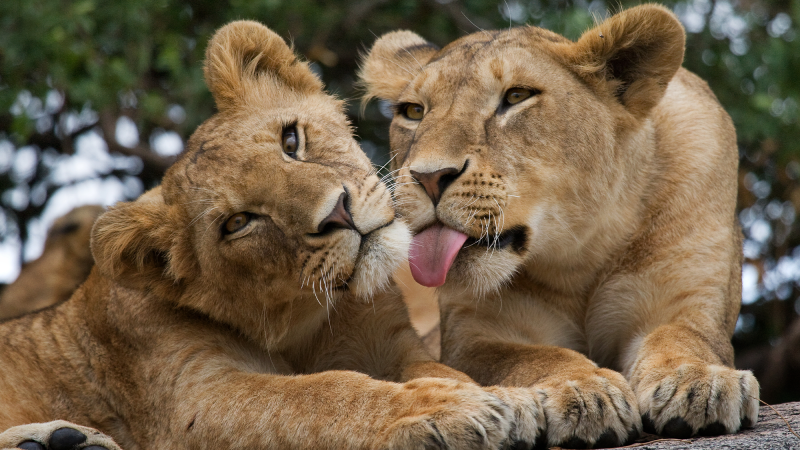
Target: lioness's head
{"type": "Point", "coordinates": [515, 147]}
{"type": "Point", "coordinates": [273, 198]}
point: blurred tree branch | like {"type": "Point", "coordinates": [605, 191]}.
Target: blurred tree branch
{"type": "Point", "coordinates": [154, 164]}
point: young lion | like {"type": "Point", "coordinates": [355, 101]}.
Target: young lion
{"type": "Point", "coordinates": [203, 323]}
{"type": "Point", "coordinates": [575, 198]}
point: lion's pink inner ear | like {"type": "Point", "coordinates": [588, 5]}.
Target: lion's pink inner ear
{"type": "Point", "coordinates": [633, 55]}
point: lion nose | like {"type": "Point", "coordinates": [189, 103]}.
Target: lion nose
{"type": "Point", "coordinates": [436, 182]}
{"type": "Point", "coordinates": [338, 218]}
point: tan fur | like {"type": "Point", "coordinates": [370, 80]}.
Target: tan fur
{"type": "Point", "coordinates": [64, 265]}
{"type": "Point", "coordinates": [277, 336]}
{"type": "Point", "coordinates": [605, 203]}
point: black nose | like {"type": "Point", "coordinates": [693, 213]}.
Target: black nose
{"type": "Point", "coordinates": [338, 218]}
{"type": "Point", "coordinates": [436, 182]}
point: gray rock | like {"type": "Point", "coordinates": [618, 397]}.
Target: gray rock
{"type": "Point", "coordinates": [769, 433]}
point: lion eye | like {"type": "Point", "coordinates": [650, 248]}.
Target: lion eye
{"type": "Point", "coordinates": [413, 111]}
{"type": "Point", "coordinates": [290, 142]}
{"type": "Point", "coordinates": [516, 95]}
{"type": "Point", "coordinates": [236, 222]}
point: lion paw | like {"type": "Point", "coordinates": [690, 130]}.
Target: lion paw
{"type": "Point", "coordinates": [446, 414]}
{"type": "Point", "coordinates": [528, 424]}
{"type": "Point", "coordinates": [56, 435]}
{"type": "Point", "coordinates": [598, 410]}
{"type": "Point", "coordinates": [697, 399]}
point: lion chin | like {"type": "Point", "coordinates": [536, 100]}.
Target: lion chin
{"type": "Point", "coordinates": [382, 252]}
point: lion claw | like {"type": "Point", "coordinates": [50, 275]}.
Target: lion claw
{"type": "Point", "coordinates": [697, 400]}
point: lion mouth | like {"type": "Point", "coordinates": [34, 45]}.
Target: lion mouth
{"type": "Point", "coordinates": [515, 238]}
{"type": "Point", "coordinates": [434, 250]}
{"type": "Point", "coordinates": [344, 284]}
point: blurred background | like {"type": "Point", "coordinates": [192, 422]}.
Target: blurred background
{"type": "Point", "coordinates": [98, 97]}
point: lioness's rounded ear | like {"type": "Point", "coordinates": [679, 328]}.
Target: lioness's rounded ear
{"type": "Point", "coordinates": [244, 55]}
{"type": "Point", "coordinates": [393, 61]}
{"type": "Point", "coordinates": [634, 54]}
{"type": "Point", "coordinates": [131, 241]}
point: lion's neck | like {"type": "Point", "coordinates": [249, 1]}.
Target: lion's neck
{"type": "Point", "coordinates": [573, 267]}
{"type": "Point", "coordinates": [275, 318]}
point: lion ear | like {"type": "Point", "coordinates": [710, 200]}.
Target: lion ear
{"type": "Point", "coordinates": [131, 242]}
{"type": "Point", "coordinates": [242, 56]}
{"type": "Point", "coordinates": [392, 62]}
{"type": "Point", "coordinates": [633, 54]}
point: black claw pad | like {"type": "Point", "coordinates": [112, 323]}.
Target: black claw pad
{"type": "Point", "coordinates": [30, 445]}
{"type": "Point", "coordinates": [607, 439]}
{"type": "Point", "coordinates": [714, 429]}
{"type": "Point", "coordinates": [574, 442]}
{"type": "Point", "coordinates": [541, 442]}
{"type": "Point", "coordinates": [677, 428]}
{"type": "Point", "coordinates": [66, 439]}
{"type": "Point", "coordinates": [648, 424]}
{"type": "Point", "coordinates": [521, 445]}
{"type": "Point", "coordinates": [632, 436]}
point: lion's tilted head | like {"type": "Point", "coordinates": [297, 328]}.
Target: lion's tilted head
{"type": "Point", "coordinates": [273, 199]}
{"type": "Point", "coordinates": [516, 147]}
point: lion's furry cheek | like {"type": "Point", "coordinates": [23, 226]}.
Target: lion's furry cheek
{"type": "Point", "coordinates": [326, 268]}
{"type": "Point", "coordinates": [381, 255]}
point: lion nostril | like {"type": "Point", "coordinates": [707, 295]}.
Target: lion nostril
{"type": "Point", "coordinates": [436, 182]}
{"type": "Point", "coordinates": [338, 218]}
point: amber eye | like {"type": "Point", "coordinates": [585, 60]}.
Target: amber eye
{"type": "Point", "coordinates": [290, 141]}
{"type": "Point", "coordinates": [413, 111]}
{"type": "Point", "coordinates": [516, 95]}
{"type": "Point", "coordinates": [236, 222]}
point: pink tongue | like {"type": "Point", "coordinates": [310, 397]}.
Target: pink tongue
{"type": "Point", "coordinates": [432, 253]}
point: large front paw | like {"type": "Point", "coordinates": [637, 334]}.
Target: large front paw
{"type": "Point", "coordinates": [528, 425]}
{"type": "Point", "coordinates": [594, 410]}
{"type": "Point", "coordinates": [56, 435]}
{"type": "Point", "coordinates": [446, 414]}
{"type": "Point", "coordinates": [697, 399]}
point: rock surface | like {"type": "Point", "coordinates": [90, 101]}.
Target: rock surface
{"type": "Point", "coordinates": [771, 432]}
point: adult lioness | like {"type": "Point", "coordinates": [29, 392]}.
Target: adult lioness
{"type": "Point", "coordinates": [575, 198]}
{"type": "Point", "coordinates": [63, 266]}
{"type": "Point", "coordinates": [203, 323]}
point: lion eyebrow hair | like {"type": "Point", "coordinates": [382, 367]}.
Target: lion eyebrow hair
{"type": "Point", "coordinates": [201, 215]}
{"type": "Point", "coordinates": [508, 10]}
{"type": "Point", "coordinates": [476, 26]}
{"type": "Point", "coordinates": [414, 58]}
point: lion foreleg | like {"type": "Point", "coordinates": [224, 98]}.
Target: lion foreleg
{"type": "Point", "coordinates": [336, 410]}
{"type": "Point", "coordinates": [684, 388]}
{"type": "Point", "coordinates": [584, 405]}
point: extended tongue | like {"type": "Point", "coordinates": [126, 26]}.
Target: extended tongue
{"type": "Point", "coordinates": [432, 253]}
